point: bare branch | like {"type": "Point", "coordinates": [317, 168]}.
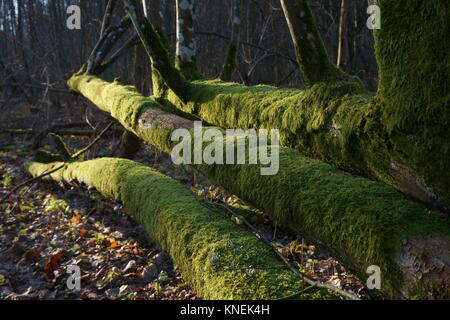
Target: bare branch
{"type": "Point", "coordinates": [108, 16]}
{"type": "Point", "coordinates": [106, 42]}
{"type": "Point", "coordinates": [156, 51]}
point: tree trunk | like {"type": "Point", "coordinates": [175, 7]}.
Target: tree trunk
{"type": "Point", "coordinates": [362, 222]}
{"type": "Point", "coordinates": [311, 54]}
{"type": "Point", "coordinates": [343, 35]}
{"type": "Point", "coordinates": [392, 136]}
{"type": "Point", "coordinates": [186, 47]}
{"type": "Point", "coordinates": [230, 59]}
{"type": "Point", "coordinates": [218, 258]}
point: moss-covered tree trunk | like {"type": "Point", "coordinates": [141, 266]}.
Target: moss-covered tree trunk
{"type": "Point", "coordinates": [362, 222]}
{"type": "Point", "coordinates": [217, 257]}
{"type": "Point", "coordinates": [310, 51]}
{"type": "Point", "coordinates": [398, 135]}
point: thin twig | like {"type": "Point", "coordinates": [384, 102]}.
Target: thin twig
{"type": "Point", "coordinates": [249, 44]}
{"type": "Point", "coordinates": [107, 16]}
{"type": "Point", "coordinates": [23, 184]}
{"type": "Point", "coordinates": [82, 151]}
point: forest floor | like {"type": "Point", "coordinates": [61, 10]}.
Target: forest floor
{"type": "Point", "coordinates": [46, 226]}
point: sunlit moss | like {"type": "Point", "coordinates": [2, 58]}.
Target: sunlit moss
{"type": "Point", "coordinates": [218, 258]}
{"type": "Point", "coordinates": [362, 221]}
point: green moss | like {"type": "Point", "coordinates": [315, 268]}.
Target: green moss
{"type": "Point", "coordinates": [310, 50]}
{"type": "Point", "coordinates": [157, 49]}
{"type": "Point", "coordinates": [159, 85]}
{"type": "Point", "coordinates": [399, 137]}
{"type": "Point", "coordinates": [202, 243]}
{"type": "Point", "coordinates": [188, 69]}
{"type": "Point", "coordinates": [338, 123]}
{"type": "Point", "coordinates": [362, 221]}
{"type": "Point", "coordinates": [305, 120]}
{"type": "Point", "coordinates": [412, 54]}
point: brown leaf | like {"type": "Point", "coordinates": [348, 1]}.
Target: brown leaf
{"type": "Point", "coordinates": [76, 219]}
{"type": "Point", "coordinates": [53, 263]}
{"type": "Point", "coordinates": [83, 232]}
{"type": "Point", "coordinates": [112, 243]}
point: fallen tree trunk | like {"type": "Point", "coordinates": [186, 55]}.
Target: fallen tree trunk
{"type": "Point", "coordinates": [362, 222]}
{"type": "Point", "coordinates": [218, 258]}
{"type": "Point", "coordinates": [398, 136]}
{"type": "Point", "coordinates": [338, 123]}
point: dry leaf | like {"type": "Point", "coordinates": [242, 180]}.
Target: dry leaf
{"type": "Point", "coordinates": [113, 243]}
{"type": "Point", "coordinates": [76, 219]}
{"type": "Point", "coordinates": [53, 263]}
{"type": "Point", "coordinates": [83, 232]}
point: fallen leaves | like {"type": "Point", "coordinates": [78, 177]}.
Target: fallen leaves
{"type": "Point", "coordinates": [51, 228]}
{"type": "Point", "coordinates": [112, 243]}
{"type": "Point", "coordinates": [83, 232]}
{"type": "Point", "coordinates": [53, 263]}
{"type": "Point", "coordinates": [74, 227]}
{"type": "Point", "coordinates": [76, 219]}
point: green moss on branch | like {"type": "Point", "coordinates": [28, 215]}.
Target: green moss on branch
{"type": "Point", "coordinates": [361, 221]}
{"type": "Point", "coordinates": [218, 258]}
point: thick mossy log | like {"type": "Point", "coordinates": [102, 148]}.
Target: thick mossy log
{"type": "Point", "coordinates": [363, 222]}
{"type": "Point", "coordinates": [338, 123]}
{"type": "Point", "coordinates": [398, 136]}
{"type": "Point", "coordinates": [218, 258]}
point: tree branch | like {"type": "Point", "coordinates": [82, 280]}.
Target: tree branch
{"type": "Point", "coordinates": [157, 52]}
{"type": "Point", "coordinates": [312, 56]}
{"type": "Point", "coordinates": [105, 44]}
{"type": "Point", "coordinates": [108, 16]}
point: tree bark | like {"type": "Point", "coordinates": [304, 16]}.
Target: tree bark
{"type": "Point", "coordinates": [362, 222]}
{"type": "Point", "coordinates": [186, 46]}
{"type": "Point", "coordinates": [157, 52]}
{"type": "Point", "coordinates": [217, 257]}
